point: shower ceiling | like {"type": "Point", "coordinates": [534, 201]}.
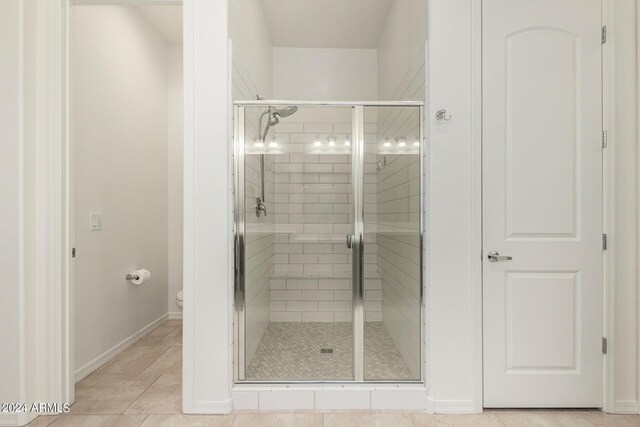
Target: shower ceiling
{"type": "Point", "coordinates": [347, 24]}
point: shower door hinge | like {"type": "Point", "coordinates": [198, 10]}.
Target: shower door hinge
{"type": "Point", "coordinates": [604, 242]}
{"type": "Point", "coordinates": [604, 34]}
{"type": "Point", "coordinates": [604, 138]}
{"type": "Point", "coordinates": [604, 345]}
{"type": "Point", "coordinates": [73, 252]}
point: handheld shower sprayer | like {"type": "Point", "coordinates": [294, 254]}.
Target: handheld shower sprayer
{"type": "Point", "coordinates": [274, 115]}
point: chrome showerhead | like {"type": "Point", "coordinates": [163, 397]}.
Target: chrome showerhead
{"type": "Point", "coordinates": [273, 117]}
{"type": "Point", "coordinates": [285, 112]}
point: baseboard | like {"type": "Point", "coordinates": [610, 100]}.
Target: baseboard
{"type": "Point", "coordinates": [175, 315]}
{"type": "Point", "coordinates": [26, 418]}
{"type": "Point", "coordinates": [114, 351]}
{"type": "Point", "coordinates": [625, 407]}
{"type": "Point", "coordinates": [452, 406]}
{"type": "Point", "coordinates": [17, 419]}
{"type": "Point", "coordinates": [8, 419]}
{"type": "Point", "coordinates": [218, 407]}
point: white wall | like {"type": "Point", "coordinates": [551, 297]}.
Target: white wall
{"type": "Point", "coordinates": [119, 130]}
{"type": "Point", "coordinates": [24, 288]}
{"type": "Point", "coordinates": [325, 74]}
{"type": "Point", "coordinates": [208, 249]}
{"type": "Point", "coordinates": [251, 49]}
{"type": "Point", "coordinates": [401, 51]}
{"type": "Point", "coordinates": [175, 129]}
{"type": "Point", "coordinates": [11, 221]}
{"type": "Point", "coordinates": [624, 141]}
{"type": "Point", "coordinates": [454, 278]}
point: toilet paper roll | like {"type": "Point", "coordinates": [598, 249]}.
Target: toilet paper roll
{"type": "Point", "coordinates": [143, 276]}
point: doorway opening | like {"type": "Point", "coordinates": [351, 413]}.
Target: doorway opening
{"type": "Point", "coordinates": [126, 131]}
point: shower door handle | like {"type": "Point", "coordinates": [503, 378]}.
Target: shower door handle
{"type": "Point", "coordinates": [349, 241]}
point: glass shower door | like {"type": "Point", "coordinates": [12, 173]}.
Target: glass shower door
{"type": "Point", "coordinates": [296, 280]}
{"type": "Point", "coordinates": [328, 242]}
{"type": "Point", "coordinates": [393, 251]}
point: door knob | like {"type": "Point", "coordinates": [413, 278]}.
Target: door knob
{"type": "Point", "coordinates": [494, 256]}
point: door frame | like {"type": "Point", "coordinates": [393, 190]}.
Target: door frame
{"type": "Point", "coordinates": [608, 188]}
{"type": "Point", "coordinates": [609, 202]}
{"type": "Point", "coordinates": [239, 210]}
{"type": "Point", "coordinates": [61, 200]}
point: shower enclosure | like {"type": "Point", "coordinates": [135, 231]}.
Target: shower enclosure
{"type": "Point", "coordinates": [328, 241]}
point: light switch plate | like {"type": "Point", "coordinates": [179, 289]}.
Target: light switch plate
{"type": "Point", "coordinates": [95, 221]}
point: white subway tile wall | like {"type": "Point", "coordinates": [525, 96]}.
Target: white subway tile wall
{"type": "Point", "coordinates": [313, 215]}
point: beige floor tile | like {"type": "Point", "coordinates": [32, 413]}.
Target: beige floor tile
{"type": "Point", "coordinates": [108, 393]}
{"type": "Point", "coordinates": [543, 418]}
{"type": "Point", "coordinates": [163, 397]}
{"type": "Point", "coordinates": [610, 420]}
{"type": "Point", "coordinates": [99, 421]}
{"type": "Point", "coordinates": [100, 406]}
{"type": "Point", "coordinates": [172, 338]}
{"type": "Point", "coordinates": [279, 420]}
{"type": "Point", "coordinates": [189, 421]}
{"type": "Point", "coordinates": [159, 333]}
{"type": "Point", "coordinates": [43, 420]}
{"type": "Point", "coordinates": [133, 360]}
{"type": "Point", "coordinates": [422, 419]}
{"type": "Point", "coordinates": [486, 419]}
{"type": "Point", "coordinates": [391, 419]}
{"type": "Point", "coordinates": [170, 362]}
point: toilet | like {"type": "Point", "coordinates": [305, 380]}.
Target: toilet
{"type": "Point", "coordinates": [179, 299]}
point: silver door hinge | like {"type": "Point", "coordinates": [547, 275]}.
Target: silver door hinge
{"type": "Point", "coordinates": [604, 242]}
{"type": "Point", "coordinates": [604, 138]}
{"type": "Point", "coordinates": [73, 252]}
{"type": "Point", "coordinates": [604, 345]}
{"type": "Point", "coordinates": [604, 34]}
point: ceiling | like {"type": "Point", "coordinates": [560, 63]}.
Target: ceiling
{"type": "Point", "coordinates": [326, 23]}
{"type": "Point", "coordinates": [167, 20]}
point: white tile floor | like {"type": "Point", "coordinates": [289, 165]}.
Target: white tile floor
{"type": "Point", "coordinates": [142, 387]}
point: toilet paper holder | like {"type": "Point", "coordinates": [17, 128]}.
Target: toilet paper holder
{"type": "Point", "coordinates": [132, 277]}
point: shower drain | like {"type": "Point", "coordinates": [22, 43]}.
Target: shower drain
{"type": "Point", "coordinates": [326, 350]}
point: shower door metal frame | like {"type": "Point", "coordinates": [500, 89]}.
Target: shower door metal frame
{"type": "Point", "coordinates": [357, 156]}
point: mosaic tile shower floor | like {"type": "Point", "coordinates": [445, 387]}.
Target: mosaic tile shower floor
{"type": "Point", "coordinates": [293, 351]}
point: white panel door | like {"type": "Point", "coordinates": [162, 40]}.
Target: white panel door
{"type": "Point", "coordinates": [542, 197]}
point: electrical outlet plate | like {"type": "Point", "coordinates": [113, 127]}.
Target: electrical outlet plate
{"type": "Point", "coordinates": [95, 221]}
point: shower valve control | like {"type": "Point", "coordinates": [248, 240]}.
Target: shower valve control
{"type": "Point", "coordinates": [260, 207]}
